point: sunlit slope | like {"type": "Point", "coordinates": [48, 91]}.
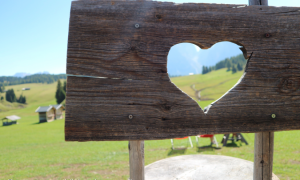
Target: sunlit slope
{"type": "Point", "coordinates": [39, 95]}
{"type": "Point", "coordinates": [207, 88]}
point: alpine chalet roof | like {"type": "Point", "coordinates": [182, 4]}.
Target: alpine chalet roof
{"type": "Point", "coordinates": [57, 106]}
{"type": "Point", "coordinates": [43, 108]}
{"type": "Point", "coordinates": [12, 117]}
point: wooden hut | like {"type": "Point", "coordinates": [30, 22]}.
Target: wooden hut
{"type": "Point", "coordinates": [9, 120]}
{"type": "Point", "coordinates": [58, 111]}
{"type": "Point", "coordinates": [46, 113]}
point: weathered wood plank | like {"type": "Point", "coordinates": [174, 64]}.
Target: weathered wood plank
{"type": "Point", "coordinates": [136, 160]}
{"type": "Point", "coordinates": [263, 155]}
{"type": "Point", "coordinates": [104, 42]}
{"type": "Point", "coordinates": [258, 2]}
{"type": "Point", "coordinates": [99, 109]}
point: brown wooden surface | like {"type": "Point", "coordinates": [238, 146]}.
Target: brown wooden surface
{"type": "Point", "coordinates": [264, 141]}
{"type": "Point", "coordinates": [258, 2]}
{"type": "Point", "coordinates": [103, 42]}
{"type": "Point", "coordinates": [136, 160]}
{"type": "Point", "coordinates": [263, 156]}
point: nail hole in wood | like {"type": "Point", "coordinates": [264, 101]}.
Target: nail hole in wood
{"type": "Point", "coordinates": [158, 16]}
{"type": "Point", "coordinates": [267, 35]}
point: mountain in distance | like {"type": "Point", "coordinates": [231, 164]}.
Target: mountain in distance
{"type": "Point", "coordinates": [187, 58]}
{"type": "Point", "coordinates": [45, 72]}
{"type": "Point", "coordinates": [21, 74]}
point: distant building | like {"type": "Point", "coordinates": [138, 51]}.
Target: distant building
{"type": "Point", "coordinates": [50, 113]}
{"type": "Point", "coordinates": [58, 111]}
{"type": "Point", "coordinates": [46, 113]}
{"type": "Point", "coordinates": [9, 120]}
{"type": "Point", "coordinates": [25, 89]}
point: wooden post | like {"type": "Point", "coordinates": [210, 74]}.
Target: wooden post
{"type": "Point", "coordinates": [264, 141]}
{"type": "Point", "coordinates": [258, 2]}
{"type": "Point", "coordinates": [136, 160]}
{"type": "Point", "coordinates": [263, 156]}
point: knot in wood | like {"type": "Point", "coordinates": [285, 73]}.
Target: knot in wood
{"type": "Point", "coordinates": [166, 107]}
{"type": "Point", "coordinates": [262, 161]}
{"type": "Point", "coordinates": [158, 16]}
{"type": "Point", "coordinates": [289, 84]}
{"type": "Point", "coordinates": [132, 48]}
{"type": "Point", "coordinates": [163, 118]}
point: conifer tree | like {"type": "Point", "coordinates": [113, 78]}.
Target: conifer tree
{"type": "Point", "coordinates": [239, 67]}
{"type": "Point", "coordinates": [22, 99]}
{"type": "Point", "coordinates": [10, 96]}
{"type": "Point", "coordinates": [233, 68]}
{"type": "Point", "coordinates": [2, 88]}
{"type": "Point", "coordinates": [65, 86]}
{"type": "Point", "coordinates": [228, 65]}
{"type": "Point", "coordinates": [60, 94]}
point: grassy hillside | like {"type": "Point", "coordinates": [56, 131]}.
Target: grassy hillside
{"type": "Point", "coordinates": [39, 95]}
{"type": "Point", "coordinates": [30, 150]}
{"type": "Point", "coordinates": [212, 85]}
{"type": "Point", "coordinates": [6, 106]}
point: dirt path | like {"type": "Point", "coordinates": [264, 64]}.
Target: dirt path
{"type": "Point", "coordinates": [198, 92]}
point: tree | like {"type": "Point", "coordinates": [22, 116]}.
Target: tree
{"type": "Point", "coordinates": [203, 70]}
{"type": "Point", "coordinates": [60, 94]}
{"type": "Point", "coordinates": [228, 65]}
{"type": "Point", "coordinates": [65, 86]}
{"type": "Point", "coordinates": [2, 88]}
{"type": "Point", "coordinates": [2, 98]}
{"type": "Point", "coordinates": [22, 99]}
{"type": "Point", "coordinates": [239, 67]}
{"type": "Point", "coordinates": [233, 68]}
{"type": "Point", "coordinates": [10, 96]}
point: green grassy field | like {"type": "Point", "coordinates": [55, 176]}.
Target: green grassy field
{"type": "Point", "coordinates": [30, 150]}
{"type": "Point", "coordinates": [212, 85]}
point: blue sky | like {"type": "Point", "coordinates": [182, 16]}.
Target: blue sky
{"type": "Point", "coordinates": [34, 33]}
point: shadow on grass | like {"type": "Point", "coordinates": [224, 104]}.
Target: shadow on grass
{"type": "Point", "coordinates": [177, 151]}
{"type": "Point", "coordinates": [8, 125]}
{"type": "Point", "coordinates": [207, 148]}
{"type": "Point", "coordinates": [37, 123]}
{"type": "Point", "coordinates": [233, 144]}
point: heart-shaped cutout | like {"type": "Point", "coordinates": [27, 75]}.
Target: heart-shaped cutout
{"type": "Point", "coordinates": [205, 75]}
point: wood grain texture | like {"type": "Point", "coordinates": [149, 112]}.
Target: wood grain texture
{"type": "Point", "coordinates": [103, 42]}
{"type": "Point", "coordinates": [264, 141]}
{"type": "Point", "coordinates": [136, 160]}
{"type": "Point", "coordinates": [263, 156]}
{"type": "Point", "coordinates": [258, 2]}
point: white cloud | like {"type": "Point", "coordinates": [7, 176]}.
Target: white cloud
{"type": "Point", "coordinates": [197, 48]}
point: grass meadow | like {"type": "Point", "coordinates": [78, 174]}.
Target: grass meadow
{"type": "Point", "coordinates": [30, 150]}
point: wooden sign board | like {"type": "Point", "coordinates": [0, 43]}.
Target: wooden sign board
{"type": "Point", "coordinates": [122, 47]}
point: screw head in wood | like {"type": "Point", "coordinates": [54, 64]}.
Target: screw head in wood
{"type": "Point", "coordinates": [273, 116]}
{"type": "Point", "coordinates": [136, 25]}
{"type": "Point", "coordinates": [267, 35]}
{"type": "Point", "coordinates": [130, 116]}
